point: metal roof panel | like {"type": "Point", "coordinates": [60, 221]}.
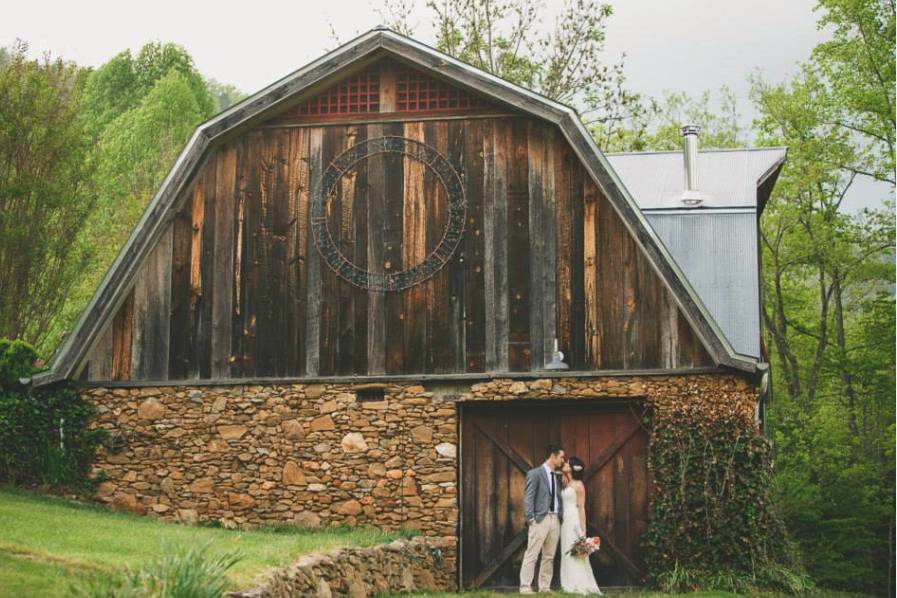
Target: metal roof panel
{"type": "Point", "coordinates": [726, 178]}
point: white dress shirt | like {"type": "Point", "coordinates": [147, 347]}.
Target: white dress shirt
{"type": "Point", "coordinates": [552, 479]}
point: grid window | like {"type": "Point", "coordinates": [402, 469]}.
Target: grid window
{"type": "Point", "coordinates": [418, 92]}
{"type": "Point", "coordinates": [357, 95]}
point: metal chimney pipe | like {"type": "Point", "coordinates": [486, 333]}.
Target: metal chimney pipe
{"type": "Point", "coordinates": [691, 197]}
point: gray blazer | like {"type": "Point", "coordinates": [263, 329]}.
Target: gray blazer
{"type": "Point", "coordinates": [537, 495]}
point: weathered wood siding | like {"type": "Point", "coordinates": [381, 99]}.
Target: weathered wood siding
{"type": "Point", "coordinates": [237, 289]}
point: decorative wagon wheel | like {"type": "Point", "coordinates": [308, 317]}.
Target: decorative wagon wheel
{"type": "Point", "coordinates": [413, 275]}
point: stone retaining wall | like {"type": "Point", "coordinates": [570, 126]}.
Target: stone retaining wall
{"type": "Point", "coordinates": [312, 454]}
{"type": "Point", "coordinates": [401, 566]}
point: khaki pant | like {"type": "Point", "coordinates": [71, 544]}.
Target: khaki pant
{"type": "Point", "coordinates": [543, 537]}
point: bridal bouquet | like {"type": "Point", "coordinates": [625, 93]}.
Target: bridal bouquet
{"type": "Point", "coordinates": [584, 546]}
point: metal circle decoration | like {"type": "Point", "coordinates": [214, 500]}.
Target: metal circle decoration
{"type": "Point", "coordinates": [413, 275]}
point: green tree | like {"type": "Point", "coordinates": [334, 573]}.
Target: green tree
{"type": "Point", "coordinates": [858, 67]}
{"type": "Point", "coordinates": [224, 94]}
{"type": "Point", "coordinates": [564, 61]}
{"type": "Point", "coordinates": [45, 191]}
{"type": "Point", "coordinates": [658, 127]}
{"type": "Point", "coordinates": [139, 112]}
{"type": "Point", "coordinates": [829, 303]}
{"type": "Point", "coordinates": [140, 145]}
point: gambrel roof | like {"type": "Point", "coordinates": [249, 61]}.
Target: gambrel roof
{"type": "Point", "coordinates": [309, 79]}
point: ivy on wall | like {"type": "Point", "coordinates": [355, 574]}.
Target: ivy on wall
{"type": "Point", "coordinates": [713, 523]}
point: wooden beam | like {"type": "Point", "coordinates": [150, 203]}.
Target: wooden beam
{"type": "Point", "coordinates": [522, 463]}
{"type": "Point", "coordinates": [507, 552]}
{"type": "Point", "coordinates": [608, 454]}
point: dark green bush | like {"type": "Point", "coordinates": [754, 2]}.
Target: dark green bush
{"type": "Point", "coordinates": [44, 438]}
{"type": "Point", "coordinates": [713, 525]}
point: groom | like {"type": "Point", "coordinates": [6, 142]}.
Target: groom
{"type": "Point", "coordinates": [544, 512]}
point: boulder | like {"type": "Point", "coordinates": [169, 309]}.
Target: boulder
{"type": "Point", "coordinates": [307, 519]}
{"type": "Point", "coordinates": [349, 507]}
{"type": "Point", "coordinates": [232, 432]}
{"type": "Point", "coordinates": [151, 409]}
{"type": "Point", "coordinates": [353, 442]}
{"type": "Point", "coordinates": [422, 434]}
{"type": "Point", "coordinates": [201, 486]}
{"type": "Point", "coordinates": [321, 424]}
{"type": "Point", "coordinates": [292, 429]}
{"type": "Point", "coordinates": [293, 475]}
{"type": "Point", "coordinates": [446, 449]}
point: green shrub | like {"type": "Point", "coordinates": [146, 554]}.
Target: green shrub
{"type": "Point", "coordinates": [44, 437]}
{"type": "Point", "coordinates": [713, 525]}
{"type": "Point", "coordinates": [181, 573]}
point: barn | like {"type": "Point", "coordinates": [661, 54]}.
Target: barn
{"type": "Point", "coordinates": [372, 293]}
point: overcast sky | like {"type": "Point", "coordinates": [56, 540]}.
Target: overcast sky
{"type": "Point", "coordinates": [671, 45]}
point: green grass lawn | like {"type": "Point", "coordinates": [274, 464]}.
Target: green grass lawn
{"type": "Point", "coordinates": [816, 594]}
{"type": "Point", "coordinates": [45, 542]}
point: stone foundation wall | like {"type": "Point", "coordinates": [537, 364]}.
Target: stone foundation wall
{"type": "Point", "coordinates": [417, 565]}
{"type": "Point", "coordinates": [312, 454]}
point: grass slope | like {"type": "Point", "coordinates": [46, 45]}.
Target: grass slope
{"type": "Point", "coordinates": [45, 541]}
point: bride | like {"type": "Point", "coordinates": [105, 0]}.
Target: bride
{"type": "Point", "coordinates": [576, 572]}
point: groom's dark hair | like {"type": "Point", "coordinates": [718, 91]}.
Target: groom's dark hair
{"type": "Point", "coordinates": [553, 449]}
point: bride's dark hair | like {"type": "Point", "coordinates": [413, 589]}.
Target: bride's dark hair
{"type": "Point", "coordinates": [577, 468]}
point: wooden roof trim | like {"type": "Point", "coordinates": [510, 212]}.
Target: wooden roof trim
{"type": "Point", "coordinates": [112, 290]}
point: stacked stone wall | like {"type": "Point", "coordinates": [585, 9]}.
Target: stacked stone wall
{"type": "Point", "coordinates": [313, 454]}
{"type": "Point", "coordinates": [417, 565]}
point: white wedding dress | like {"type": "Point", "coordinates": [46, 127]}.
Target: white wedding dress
{"type": "Point", "coordinates": [576, 572]}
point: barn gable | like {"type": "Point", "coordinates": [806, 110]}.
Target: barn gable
{"type": "Point", "coordinates": [294, 193]}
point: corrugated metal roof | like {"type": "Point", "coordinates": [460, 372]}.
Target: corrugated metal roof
{"type": "Point", "coordinates": [726, 178]}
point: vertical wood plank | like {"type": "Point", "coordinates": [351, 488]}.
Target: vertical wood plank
{"type": "Point", "coordinates": [235, 359]}
{"type": "Point", "coordinates": [441, 302]}
{"type": "Point", "coordinates": [359, 234]}
{"type": "Point", "coordinates": [301, 168]}
{"type": "Point", "coordinates": [577, 324]}
{"type": "Point", "coordinates": [669, 331]}
{"type": "Point", "coordinates": [181, 363]}
{"type": "Point", "coordinates": [590, 276]}
{"type": "Point", "coordinates": [475, 299]}
{"type": "Point", "coordinates": [387, 87]}
{"type": "Point", "coordinates": [313, 280]}
{"type": "Point", "coordinates": [346, 295]}
{"type": "Point", "coordinates": [393, 229]}
{"type": "Point", "coordinates": [122, 327]}
{"type": "Point", "coordinates": [152, 313]}
{"type": "Point", "coordinates": [414, 251]}
{"type": "Point", "coordinates": [202, 284]}
{"type": "Point", "coordinates": [376, 311]}
{"type": "Point", "coordinates": [264, 275]}
{"type": "Point", "coordinates": [223, 261]}
{"type": "Point", "coordinates": [629, 283]}
{"type": "Point", "coordinates": [100, 358]}
{"type": "Point", "coordinates": [537, 249]}
{"type": "Point", "coordinates": [518, 248]}
{"type": "Point", "coordinates": [649, 308]}
{"type": "Point", "coordinates": [457, 268]}
{"type": "Point", "coordinates": [610, 244]}
{"type": "Point", "coordinates": [549, 234]}
{"type": "Point", "coordinates": [496, 251]}
{"type": "Point", "coordinates": [564, 239]}
{"type": "Point", "coordinates": [333, 144]}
